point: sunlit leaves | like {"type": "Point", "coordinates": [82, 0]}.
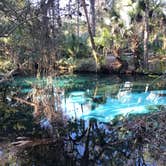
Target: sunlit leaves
{"type": "Point", "coordinates": [104, 37]}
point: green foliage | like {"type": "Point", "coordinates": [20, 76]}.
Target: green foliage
{"type": "Point", "coordinates": [31, 37]}
{"type": "Point", "coordinates": [104, 37]}
{"type": "Point", "coordinates": [13, 121]}
{"type": "Point", "coordinates": [156, 44]}
{"type": "Point", "coordinates": [75, 46]}
{"type": "Point", "coordinates": [22, 43]}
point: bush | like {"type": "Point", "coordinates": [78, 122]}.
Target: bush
{"type": "Point", "coordinates": [5, 65]}
{"type": "Point", "coordinates": [75, 46]}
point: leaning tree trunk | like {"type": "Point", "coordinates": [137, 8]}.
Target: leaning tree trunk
{"type": "Point", "coordinates": [91, 35]}
{"type": "Point", "coordinates": [146, 35]}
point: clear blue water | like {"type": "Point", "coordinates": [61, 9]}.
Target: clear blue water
{"type": "Point", "coordinates": [104, 97]}
{"type": "Point", "coordinates": [133, 103]}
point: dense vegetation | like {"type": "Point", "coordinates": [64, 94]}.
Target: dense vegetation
{"type": "Point", "coordinates": [111, 36]}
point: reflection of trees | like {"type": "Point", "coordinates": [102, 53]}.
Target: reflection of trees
{"type": "Point", "coordinates": [127, 142]}
{"type": "Point", "coordinates": [119, 144]}
{"type": "Point", "coordinates": [15, 121]}
{"type": "Point", "coordinates": [100, 144]}
{"type": "Point", "coordinates": [89, 143]}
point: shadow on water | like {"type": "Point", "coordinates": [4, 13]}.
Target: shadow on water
{"type": "Point", "coordinates": [44, 142]}
{"type": "Point", "coordinates": [92, 143]}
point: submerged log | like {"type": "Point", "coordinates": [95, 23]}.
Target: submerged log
{"type": "Point", "coordinates": [25, 143]}
{"type": "Point", "coordinates": [24, 101]}
{"type": "Point", "coordinates": [32, 104]}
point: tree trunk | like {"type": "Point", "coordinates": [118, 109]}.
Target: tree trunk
{"type": "Point", "coordinates": [146, 35]}
{"type": "Point", "coordinates": [78, 19]}
{"type": "Point", "coordinates": [57, 5]}
{"type": "Point", "coordinates": [91, 35]}
{"type": "Point", "coordinates": [93, 16]}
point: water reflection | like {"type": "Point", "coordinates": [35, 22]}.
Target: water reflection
{"type": "Point", "coordinates": [87, 143]}
{"type": "Point", "coordinates": [86, 139]}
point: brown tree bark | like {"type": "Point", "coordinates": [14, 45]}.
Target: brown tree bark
{"type": "Point", "coordinates": [91, 35]}
{"type": "Point", "coordinates": [146, 35]}
{"type": "Point", "coordinates": [78, 19]}
{"type": "Point", "coordinates": [93, 17]}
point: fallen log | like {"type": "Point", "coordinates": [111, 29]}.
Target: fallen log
{"type": "Point", "coordinates": [36, 106]}
{"type": "Point", "coordinates": [24, 101]}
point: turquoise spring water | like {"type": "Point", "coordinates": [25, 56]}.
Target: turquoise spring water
{"type": "Point", "coordinates": [100, 97]}
{"type": "Point", "coordinates": [104, 97]}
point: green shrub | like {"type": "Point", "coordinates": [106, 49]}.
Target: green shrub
{"type": "Point", "coordinates": [5, 65]}
{"type": "Point", "coordinates": [75, 46]}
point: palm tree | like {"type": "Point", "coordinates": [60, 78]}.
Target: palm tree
{"type": "Point", "coordinates": [149, 9]}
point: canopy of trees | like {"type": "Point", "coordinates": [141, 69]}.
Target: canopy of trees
{"type": "Point", "coordinates": [41, 34]}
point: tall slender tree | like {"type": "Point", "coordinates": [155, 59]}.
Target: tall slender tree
{"type": "Point", "coordinates": [91, 35]}
{"type": "Point", "coordinates": [78, 17]}
{"type": "Point", "coordinates": [93, 16]}
{"type": "Point", "coordinates": [146, 33]}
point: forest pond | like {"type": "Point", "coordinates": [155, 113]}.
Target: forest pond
{"type": "Point", "coordinates": [91, 106]}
